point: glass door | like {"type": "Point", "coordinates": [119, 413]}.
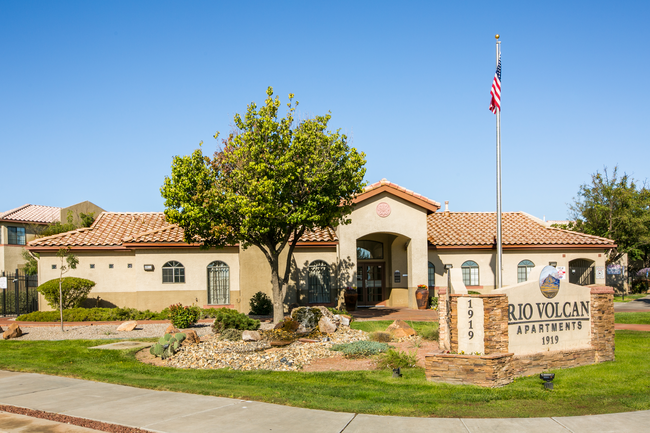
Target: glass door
{"type": "Point", "coordinates": [370, 283]}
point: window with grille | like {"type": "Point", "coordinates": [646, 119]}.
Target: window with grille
{"type": "Point", "coordinates": [318, 283]}
{"type": "Point", "coordinates": [470, 273]}
{"type": "Point", "coordinates": [523, 270]}
{"type": "Point", "coordinates": [173, 272]}
{"type": "Point", "coordinates": [16, 235]}
{"type": "Point", "coordinates": [432, 275]}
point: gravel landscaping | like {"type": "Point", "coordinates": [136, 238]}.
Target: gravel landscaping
{"type": "Point", "coordinates": [100, 332]}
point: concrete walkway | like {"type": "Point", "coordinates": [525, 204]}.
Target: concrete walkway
{"type": "Point", "coordinates": [170, 412]}
{"type": "Point", "coordinates": [640, 305]}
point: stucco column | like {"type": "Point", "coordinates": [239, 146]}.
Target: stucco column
{"type": "Point", "coordinates": [418, 267]}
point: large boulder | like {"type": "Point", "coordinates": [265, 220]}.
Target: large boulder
{"type": "Point", "coordinates": [400, 329]}
{"type": "Point", "coordinates": [171, 329]}
{"type": "Point", "coordinates": [13, 331]}
{"type": "Point", "coordinates": [307, 317]}
{"type": "Point", "coordinates": [191, 337]}
{"type": "Point", "coordinates": [127, 326]}
{"type": "Point", "coordinates": [327, 325]}
{"type": "Point", "coordinates": [251, 336]}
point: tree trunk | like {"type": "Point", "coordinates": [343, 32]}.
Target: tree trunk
{"type": "Point", "coordinates": [278, 304]}
{"type": "Point", "coordinates": [61, 303]}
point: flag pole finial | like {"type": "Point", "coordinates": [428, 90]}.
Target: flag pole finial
{"type": "Point", "coordinates": [496, 37]}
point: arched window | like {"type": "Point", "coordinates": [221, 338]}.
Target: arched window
{"type": "Point", "coordinates": [218, 283]}
{"type": "Point", "coordinates": [432, 275]}
{"type": "Point", "coordinates": [173, 272]}
{"type": "Point", "coordinates": [470, 273]}
{"type": "Point", "coordinates": [523, 270]}
{"type": "Point", "coordinates": [319, 282]}
{"type": "Point", "coordinates": [370, 250]}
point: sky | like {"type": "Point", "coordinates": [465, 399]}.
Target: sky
{"type": "Point", "coordinates": [98, 97]}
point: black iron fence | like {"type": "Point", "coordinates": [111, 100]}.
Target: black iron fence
{"type": "Point", "coordinates": [19, 294]}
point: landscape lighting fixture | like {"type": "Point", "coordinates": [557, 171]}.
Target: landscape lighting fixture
{"type": "Point", "coordinates": [548, 379]}
{"type": "Point", "coordinates": [148, 268]}
{"type": "Point", "coordinates": [449, 266]}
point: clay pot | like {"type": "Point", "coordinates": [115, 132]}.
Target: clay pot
{"type": "Point", "coordinates": [351, 301]}
{"type": "Point", "coordinates": [422, 298]}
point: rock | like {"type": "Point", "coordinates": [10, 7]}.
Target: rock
{"type": "Point", "coordinates": [251, 336]}
{"type": "Point", "coordinates": [343, 319]}
{"type": "Point", "coordinates": [280, 342]}
{"type": "Point", "coordinates": [13, 331]}
{"type": "Point", "coordinates": [171, 329]}
{"type": "Point", "coordinates": [127, 326]}
{"type": "Point", "coordinates": [400, 329]}
{"type": "Point", "coordinates": [326, 325]}
{"type": "Point", "coordinates": [1, 330]}
{"type": "Point", "coordinates": [307, 340]}
{"type": "Point", "coordinates": [288, 325]}
{"type": "Point", "coordinates": [191, 337]}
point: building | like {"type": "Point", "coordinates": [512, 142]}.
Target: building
{"type": "Point", "coordinates": [397, 239]}
{"type": "Point", "coordinates": [21, 225]}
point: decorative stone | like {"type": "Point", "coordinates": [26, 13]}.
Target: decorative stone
{"type": "Point", "coordinates": [345, 320]}
{"type": "Point", "coordinates": [308, 340]}
{"type": "Point", "coordinates": [191, 337]}
{"type": "Point", "coordinates": [127, 326]}
{"type": "Point", "coordinates": [171, 329]}
{"type": "Point", "coordinates": [400, 329]}
{"type": "Point", "coordinates": [326, 325]}
{"type": "Point", "coordinates": [13, 331]}
{"type": "Point", "coordinates": [280, 342]}
{"type": "Point", "coordinates": [1, 330]}
{"type": "Point", "coordinates": [251, 336]}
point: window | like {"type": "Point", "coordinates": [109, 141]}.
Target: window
{"type": "Point", "coordinates": [173, 272]}
{"type": "Point", "coordinates": [218, 283]}
{"type": "Point", "coordinates": [92, 266]}
{"type": "Point", "coordinates": [370, 250]}
{"type": "Point", "coordinates": [16, 235]}
{"type": "Point", "coordinates": [130, 265]}
{"type": "Point", "coordinates": [432, 276]}
{"type": "Point", "coordinates": [319, 282]}
{"type": "Point", "coordinates": [523, 270]}
{"type": "Point", "coordinates": [111, 266]}
{"type": "Point", "coordinates": [53, 266]}
{"type": "Point", "coordinates": [470, 273]}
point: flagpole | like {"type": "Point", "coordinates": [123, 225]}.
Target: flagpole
{"type": "Point", "coordinates": [499, 247]}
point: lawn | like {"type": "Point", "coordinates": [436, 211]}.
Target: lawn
{"type": "Point", "coordinates": [628, 298]}
{"type": "Point", "coordinates": [616, 386]}
{"type": "Point", "coordinates": [632, 318]}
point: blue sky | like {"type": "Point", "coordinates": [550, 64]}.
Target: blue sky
{"type": "Point", "coordinates": [97, 97]}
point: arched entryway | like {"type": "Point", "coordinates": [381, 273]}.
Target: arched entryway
{"type": "Point", "coordinates": [582, 272]}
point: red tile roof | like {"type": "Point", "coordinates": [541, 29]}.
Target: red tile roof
{"type": "Point", "coordinates": [467, 229]}
{"type": "Point", "coordinates": [118, 228]}
{"type": "Point", "coordinates": [32, 213]}
{"type": "Point", "coordinates": [400, 191]}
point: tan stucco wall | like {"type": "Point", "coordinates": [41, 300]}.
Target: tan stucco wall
{"type": "Point", "coordinates": [134, 287]}
{"type": "Point", "coordinates": [409, 223]}
{"type": "Point", "coordinates": [75, 210]}
{"type": "Point", "coordinates": [486, 260]}
{"type": "Point", "coordinates": [11, 255]}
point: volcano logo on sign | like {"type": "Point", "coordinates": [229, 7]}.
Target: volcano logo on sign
{"type": "Point", "coordinates": [549, 282]}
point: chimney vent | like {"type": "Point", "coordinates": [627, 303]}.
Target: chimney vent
{"type": "Point", "coordinates": [446, 205]}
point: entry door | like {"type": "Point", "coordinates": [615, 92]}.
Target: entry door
{"type": "Point", "coordinates": [370, 283]}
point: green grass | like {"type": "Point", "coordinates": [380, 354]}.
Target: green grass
{"type": "Point", "coordinates": [628, 298]}
{"type": "Point", "coordinates": [381, 325]}
{"type": "Point", "coordinates": [622, 385]}
{"type": "Point", "coordinates": [632, 318]}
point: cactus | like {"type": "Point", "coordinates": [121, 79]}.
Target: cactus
{"type": "Point", "coordinates": [167, 345]}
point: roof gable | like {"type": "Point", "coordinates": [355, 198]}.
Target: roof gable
{"type": "Point", "coordinates": [32, 213]}
{"type": "Point", "coordinates": [384, 185]}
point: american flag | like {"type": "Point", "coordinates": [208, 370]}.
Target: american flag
{"type": "Point", "coordinates": [495, 103]}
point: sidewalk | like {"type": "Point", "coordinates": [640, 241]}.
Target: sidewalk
{"type": "Point", "coordinates": [170, 412]}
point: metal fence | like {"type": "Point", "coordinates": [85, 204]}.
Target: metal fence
{"type": "Point", "coordinates": [19, 294]}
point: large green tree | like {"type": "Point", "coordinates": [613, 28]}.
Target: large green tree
{"type": "Point", "coordinates": [272, 180]}
{"type": "Point", "coordinates": [615, 207]}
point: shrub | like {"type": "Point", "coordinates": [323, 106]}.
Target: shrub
{"type": "Point", "coordinates": [380, 336]}
{"type": "Point", "coordinates": [225, 318]}
{"type": "Point", "coordinates": [339, 312]}
{"type": "Point", "coordinates": [430, 333]}
{"type": "Point", "coordinates": [473, 292]}
{"type": "Point", "coordinates": [184, 317]}
{"type": "Point", "coordinates": [397, 359]}
{"type": "Point", "coordinates": [167, 345]}
{"type": "Point", "coordinates": [261, 304]}
{"type": "Point", "coordinates": [231, 334]}
{"type": "Point", "coordinates": [75, 291]}
{"type": "Point", "coordinates": [433, 302]}
{"type": "Point", "coordinates": [92, 315]}
{"type": "Point", "coordinates": [360, 349]}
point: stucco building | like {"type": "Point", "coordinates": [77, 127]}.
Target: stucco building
{"type": "Point", "coordinates": [397, 239]}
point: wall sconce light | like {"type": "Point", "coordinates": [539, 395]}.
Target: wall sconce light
{"type": "Point", "coordinates": [447, 267]}
{"type": "Point", "coordinates": [148, 268]}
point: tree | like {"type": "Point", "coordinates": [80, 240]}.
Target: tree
{"type": "Point", "coordinates": [615, 207]}
{"type": "Point", "coordinates": [31, 262]}
{"type": "Point", "coordinates": [269, 183]}
{"type": "Point", "coordinates": [67, 261]}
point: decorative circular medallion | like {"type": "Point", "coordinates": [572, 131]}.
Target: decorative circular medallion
{"type": "Point", "coordinates": [383, 209]}
{"type": "Point", "coordinates": [549, 281]}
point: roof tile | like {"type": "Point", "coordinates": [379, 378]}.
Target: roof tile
{"type": "Point", "coordinates": [32, 213]}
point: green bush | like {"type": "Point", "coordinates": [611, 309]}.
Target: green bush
{"type": "Point", "coordinates": [74, 290]}
{"type": "Point", "coordinates": [167, 345]}
{"type": "Point", "coordinates": [430, 333]}
{"type": "Point", "coordinates": [184, 317]}
{"type": "Point", "coordinates": [380, 336]}
{"type": "Point", "coordinates": [93, 315]}
{"type": "Point", "coordinates": [397, 359]}
{"type": "Point", "coordinates": [231, 334]}
{"type": "Point", "coordinates": [225, 318]}
{"type": "Point", "coordinates": [339, 312]}
{"type": "Point", "coordinates": [261, 304]}
{"type": "Point", "coordinates": [360, 349]}
{"type": "Point", "coordinates": [473, 292]}
{"type": "Point", "coordinates": [433, 302]}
